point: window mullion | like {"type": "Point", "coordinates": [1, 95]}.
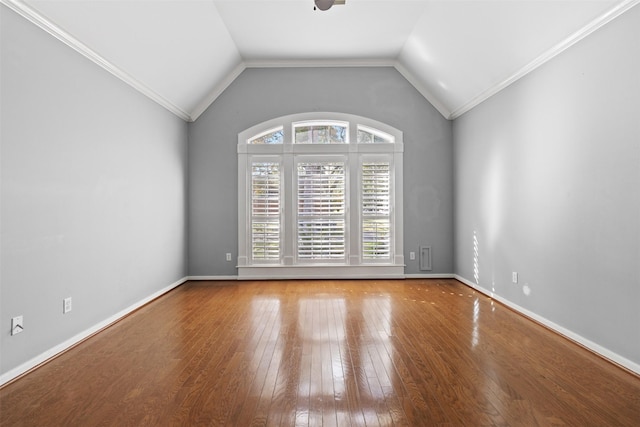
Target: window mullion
{"type": "Point", "coordinates": [355, 247]}
{"type": "Point", "coordinates": [288, 210]}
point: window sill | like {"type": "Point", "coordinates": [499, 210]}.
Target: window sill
{"type": "Point", "coordinates": [371, 271]}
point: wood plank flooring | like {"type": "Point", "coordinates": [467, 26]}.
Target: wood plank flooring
{"type": "Point", "coordinates": [324, 353]}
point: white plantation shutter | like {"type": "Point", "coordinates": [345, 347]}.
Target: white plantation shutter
{"type": "Point", "coordinates": [321, 210]}
{"type": "Point", "coordinates": [376, 210]}
{"type": "Point", "coordinates": [320, 194]}
{"type": "Point", "coordinates": [265, 211]}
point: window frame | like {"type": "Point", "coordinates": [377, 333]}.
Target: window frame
{"type": "Point", "coordinates": [374, 158]}
{"type": "Point", "coordinates": [289, 154]}
{"type": "Point", "coordinates": [300, 159]}
{"type": "Point", "coordinates": [265, 218]}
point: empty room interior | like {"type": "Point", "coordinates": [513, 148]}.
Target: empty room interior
{"type": "Point", "coordinates": [321, 189]}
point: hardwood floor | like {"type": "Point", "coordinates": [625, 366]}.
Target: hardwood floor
{"type": "Point", "coordinates": [331, 353]}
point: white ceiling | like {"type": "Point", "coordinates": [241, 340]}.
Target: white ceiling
{"type": "Point", "coordinates": [184, 53]}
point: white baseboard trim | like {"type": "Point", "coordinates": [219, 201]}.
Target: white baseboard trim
{"type": "Point", "coordinates": [405, 276]}
{"type": "Point", "coordinates": [429, 276]}
{"type": "Point", "coordinates": [596, 348]}
{"type": "Point", "coordinates": [212, 278]}
{"type": "Point", "coordinates": [76, 339]}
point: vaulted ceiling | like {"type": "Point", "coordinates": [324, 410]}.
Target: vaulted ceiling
{"type": "Point", "coordinates": [184, 53]}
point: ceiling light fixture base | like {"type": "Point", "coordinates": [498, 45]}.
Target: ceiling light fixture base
{"type": "Point", "coordinates": [326, 4]}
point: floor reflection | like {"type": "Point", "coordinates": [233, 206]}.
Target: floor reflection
{"type": "Point", "coordinates": [334, 351]}
{"type": "Point", "coordinates": [475, 335]}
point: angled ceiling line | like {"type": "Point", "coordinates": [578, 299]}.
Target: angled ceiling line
{"type": "Point", "coordinates": [413, 79]}
{"type": "Point", "coordinates": [45, 24]}
{"type": "Point", "coordinates": [210, 98]}
{"type": "Point", "coordinates": [546, 56]}
{"type": "Point", "coordinates": [319, 63]}
{"type": "Point", "coordinates": [243, 65]}
{"type": "Point", "coordinates": [426, 93]}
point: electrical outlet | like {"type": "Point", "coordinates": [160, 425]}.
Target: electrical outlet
{"type": "Point", "coordinates": [17, 325]}
{"type": "Point", "coordinates": [228, 256]}
{"type": "Point", "coordinates": [514, 277]}
{"type": "Point", "coordinates": [412, 256]}
{"type": "Point", "coordinates": [66, 305]}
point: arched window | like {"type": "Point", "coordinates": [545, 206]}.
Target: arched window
{"type": "Point", "coordinates": [320, 195]}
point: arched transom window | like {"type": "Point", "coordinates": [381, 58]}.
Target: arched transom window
{"type": "Point", "coordinates": [320, 195]}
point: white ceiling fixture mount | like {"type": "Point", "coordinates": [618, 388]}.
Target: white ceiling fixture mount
{"type": "Point", "coordinates": [326, 4]}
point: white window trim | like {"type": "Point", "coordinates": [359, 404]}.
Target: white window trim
{"type": "Point", "coordinates": [353, 267]}
{"type": "Point", "coordinates": [392, 210]}
{"type": "Point", "coordinates": [272, 159]}
{"type": "Point", "coordinates": [340, 158]}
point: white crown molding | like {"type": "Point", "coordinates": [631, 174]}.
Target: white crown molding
{"type": "Point", "coordinates": [319, 63]}
{"type": "Point", "coordinates": [39, 20]}
{"type": "Point", "coordinates": [415, 82]}
{"type": "Point", "coordinates": [590, 28]}
{"type": "Point", "coordinates": [36, 18]}
{"type": "Point", "coordinates": [570, 335]}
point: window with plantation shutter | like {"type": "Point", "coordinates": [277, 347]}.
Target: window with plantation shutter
{"type": "Point", "coordinates": [376, 214]}
{"type": "Point", "coordinates": [321, 210]}
{"type": "Point", "coordinates": [265, 211]}
{"type": "Point", "coordinates": [319, 196]}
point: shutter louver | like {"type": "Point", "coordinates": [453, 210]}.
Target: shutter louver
{"type": "Point", "coordinates": [265, 210]}
{"type": "Point", "coordinates": [321, 210]}
{"type": "Point", "coordinates": [376, 214]}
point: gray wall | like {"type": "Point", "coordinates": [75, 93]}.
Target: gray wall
{"type": "Point", "coordinates": [548, 177]}
{"type": "Point", "coordinates": [258, 95]}
{"type": "Point", "coordinates": [93, 195]}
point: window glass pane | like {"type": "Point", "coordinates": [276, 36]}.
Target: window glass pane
{"type": "Point", "coordinates": [364, 137]}
{"type": "Point", "coordinates": [367, 135]}
{"type": "Point", "coordinates": [321, 210]}
{"type": "Point", "coordinates": [271, 137]}
{"type": "Point", "coordinates": [320, 133]}
{"type": "Point", "coordinates": [265, 210]}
